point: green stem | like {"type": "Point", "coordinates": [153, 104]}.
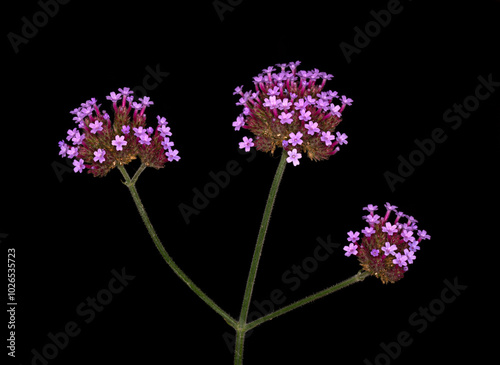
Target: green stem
{"type": "Point", "coordinates": [240, 333]}
{"type": "Point", "coordinates": [137, 173]}
{"type": "Point", "coordinates": [360, 276]}
{"type": "Point", "coordinates": [130, 183]}
{"type": "Point", "coordinates": [238, 348]}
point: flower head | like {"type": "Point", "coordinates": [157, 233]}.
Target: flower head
{"type": "Point", "coordinates": [386, 249]}
{"type": "Point", "coordinates": [100, 143]}
{"type": "Point", "coordinates": [292, 101]}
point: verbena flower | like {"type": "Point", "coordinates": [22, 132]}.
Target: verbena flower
{"type": "Point", "coordinates": [386, 249]}
{"type": "Point", "coordinates": [290, 109]}
{"type": "Point", "coordinates": [99, 144]}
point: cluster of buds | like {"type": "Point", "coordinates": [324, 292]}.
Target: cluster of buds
{"type": "Point", "coordinates": [99, 145]}
{"type": "Point", "coordinates": [290, 110]}
{"type": "Point", "coordinates": [386, 248]}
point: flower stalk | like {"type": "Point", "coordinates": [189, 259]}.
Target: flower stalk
{"type": "Point", "coordinates": [360, 276]}
{"type": "Point", "coordinates": [241, 330]}
{"type": "Point", "coordinates": [260, 240]}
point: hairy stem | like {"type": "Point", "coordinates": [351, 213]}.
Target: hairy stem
{"type": "Point", "coordinates": [238, 348]}
{"type": "Point", "coordinates": [240, 338]}
{"type": "Point", "coordinates": [360, 276]}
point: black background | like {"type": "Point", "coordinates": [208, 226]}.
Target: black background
{"type": "Point", "coordinates": [71, 232]}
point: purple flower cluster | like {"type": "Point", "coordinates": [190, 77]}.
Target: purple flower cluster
{"type": "Point", "coordinates": [386, 248]}
{"type": "Point", "coordinates": [98, 144]}
{"type": "Point", "coordinates": [290, 109]}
